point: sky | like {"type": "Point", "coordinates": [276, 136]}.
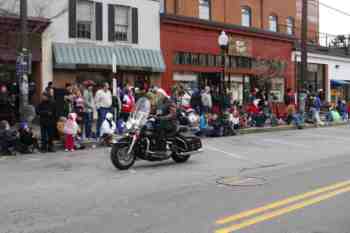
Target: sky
{"type": "Point", "coordinates": [333, 22]}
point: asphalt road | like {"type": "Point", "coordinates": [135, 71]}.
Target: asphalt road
{"type": "Point", "coordinates": [281, 182]}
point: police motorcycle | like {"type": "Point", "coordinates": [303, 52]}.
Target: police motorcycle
{"type": "Point", "coordinates": [141, 141]}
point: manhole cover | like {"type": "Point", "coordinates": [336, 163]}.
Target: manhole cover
{"type": "Point", "coordinates": [241, 181]}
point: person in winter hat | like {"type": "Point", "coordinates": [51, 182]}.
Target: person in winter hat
{"type": "Point", "coordinates": [46, 111]}
{"type": "Point", "coordinates": [108, 129]}
{"type": "Point", "coordinates": [71, 129]}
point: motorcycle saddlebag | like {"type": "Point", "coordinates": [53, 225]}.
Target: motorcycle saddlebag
{"type": "Point", "coordinates": [194, 143]}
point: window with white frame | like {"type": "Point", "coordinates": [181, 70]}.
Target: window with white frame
{"type": "Point", "coordinates": [290, 25]}
{"type": "Point", "coordinates": [246, 15]}
{"type": "Point", "coordinates": [85, 19]}
{"type": "Point", "coordinates": [273, 23]}
{"type": "Point", "coordinates": [122, 30]}
{"type": "Point", "coordinates": [204, 9]}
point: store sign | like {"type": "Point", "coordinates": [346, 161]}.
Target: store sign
{"type": "Point", "coordinates": [239, 47]}
{"type": "Point", "coordinates": [185, 77]}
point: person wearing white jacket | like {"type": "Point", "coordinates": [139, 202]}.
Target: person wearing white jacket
{"type": "Point", "coordinates": [207, 101]}
{"type": "Point", "coordinates": [108, 128]}
{"type": "Point", "coordinates": [103, 103]}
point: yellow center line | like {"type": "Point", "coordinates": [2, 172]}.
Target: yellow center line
{"type": "Point", "coordinates": [283, 211]}
{"type": "Point", "coordinates": [281, 203]}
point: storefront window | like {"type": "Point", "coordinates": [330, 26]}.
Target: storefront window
{"type": "Point", "coordinates": [277, 90]}
{"type": "Point", "coordinates": [315, 79]}
{"type": "Point", "coordinates": [270, 89]}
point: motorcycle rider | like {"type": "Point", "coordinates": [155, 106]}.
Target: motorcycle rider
{"type": "Point", "coordinates": [166, 112]}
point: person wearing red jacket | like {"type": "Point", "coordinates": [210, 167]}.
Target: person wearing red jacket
{"type": "Point", "coordinates": [128, 104]}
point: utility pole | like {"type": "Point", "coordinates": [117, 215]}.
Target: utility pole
{"type": "Point", "coordinates": [24, 23]}
{"type": "Point", "coordinates": [23, 60]}
{"type": "Point", "coordinates": [304, 66]}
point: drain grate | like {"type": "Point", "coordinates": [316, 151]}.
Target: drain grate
{"type": "Point", "coordinates": [244, 181]}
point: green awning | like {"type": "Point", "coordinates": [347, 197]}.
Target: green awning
{"type": "Point", "coordinates": [138, 59]}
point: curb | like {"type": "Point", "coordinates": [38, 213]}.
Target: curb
{"type": "Point", "coordinates": [288, 127]}
{"type": "Point", "coordinates": [92, 144]}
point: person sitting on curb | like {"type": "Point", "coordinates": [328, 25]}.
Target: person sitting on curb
{"type": "Point", "coordinates": [108, 129]}
{"type": "Point", "coordinates": [294, 117]}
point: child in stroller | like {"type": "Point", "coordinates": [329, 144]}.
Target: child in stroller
{"type": "Point", "coordinates": [8, 139]}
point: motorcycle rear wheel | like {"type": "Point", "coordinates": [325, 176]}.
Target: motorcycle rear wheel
{"type": "Point", "coordinates": [120, 157]}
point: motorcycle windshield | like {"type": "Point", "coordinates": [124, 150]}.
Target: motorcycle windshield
{"type": "Point", "coordinates": [142, 110]}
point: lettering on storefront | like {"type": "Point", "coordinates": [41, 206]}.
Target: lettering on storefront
{"type": "Point", "coordinates": [260, 66]}
{"type": "Point", "coordinates": [210, 60]}
{"type": "Point", "coordinates": [239, 47]}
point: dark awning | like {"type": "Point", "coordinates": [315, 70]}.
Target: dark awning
{"type": "Point", "coordinates": [339, 82]}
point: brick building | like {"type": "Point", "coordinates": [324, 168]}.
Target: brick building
{"type": "Point", "coordinates": [262, 36]}
{"type": "Point", "coordinates": [260, 13]}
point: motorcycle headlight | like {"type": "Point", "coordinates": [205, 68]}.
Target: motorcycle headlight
{"type": "Point", "coordinates": [128, 125]}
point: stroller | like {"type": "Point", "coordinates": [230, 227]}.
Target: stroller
{"type": "Point", "coordinates": [27, 142]}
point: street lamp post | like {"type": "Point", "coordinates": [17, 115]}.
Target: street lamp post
{"type": "Point", "coordinates": [223, 43]}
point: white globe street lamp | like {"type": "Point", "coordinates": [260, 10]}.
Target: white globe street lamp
{"type": "Point", "coordinates": [223, 40]}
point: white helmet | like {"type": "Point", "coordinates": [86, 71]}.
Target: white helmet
{"type": "Point", "coordinates": [109, 116]}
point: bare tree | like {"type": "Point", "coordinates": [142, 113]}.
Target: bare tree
{"type": "Point", "coordinates": [10, 6]}
{"type": "Point", "coordinates": [41, 8]}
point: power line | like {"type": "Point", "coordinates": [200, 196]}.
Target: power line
{"type": "Point", "coordinates": [319, 3]}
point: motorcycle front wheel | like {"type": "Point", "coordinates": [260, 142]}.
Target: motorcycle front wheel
{"type": "Point", "coordinates": [120, 157]}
